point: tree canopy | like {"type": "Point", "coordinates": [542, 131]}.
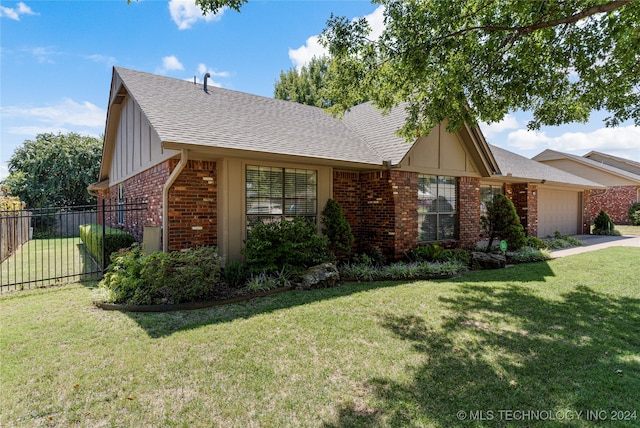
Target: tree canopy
{"type": "Point", "coordinates": [477, 60]}
{"type": "Point", "coordinates": [304, 86]}
{"type": "Point", "coordinates": [54, 170]}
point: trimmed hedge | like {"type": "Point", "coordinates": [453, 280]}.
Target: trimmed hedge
{"type": "Point", "coordinates": [115, 239]}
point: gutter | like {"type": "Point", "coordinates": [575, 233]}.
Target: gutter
{"type": "Point", "coordinates": [184, 157]}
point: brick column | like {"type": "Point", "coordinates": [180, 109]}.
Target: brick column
{"type": "Point", "coordinates": [525, 198]}
{"type": "Point", "coordinates": [468, 211]}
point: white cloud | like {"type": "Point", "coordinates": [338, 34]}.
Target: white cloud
{"type": "Point", "coordinates": [305, 53]}
{"type": "Point", "coordinates": [20, 9]}
{"type": "Point", "coordinates": [492, 129]}
{"type": "Point", "coordinates": [622, 141]}
{"type": "Point", "coordinates": [170, 63]}
{"type": "Point", "coordinates": [54, 118]}
{"type": "Point", "coordinates": [4, 172]}
{"type": "Point", "coordinates": [202, 69]}
{"type": "Point", "coordinates": [312, 48]}
{"type": "Point", "coordinates": [105, 59]}
{"type": "Point", "coordinates": [185, 13]}
{"type": "Point", "coordinates": [44, 54]}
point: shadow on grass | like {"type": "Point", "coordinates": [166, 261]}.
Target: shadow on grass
{"type": "Point", "coordinates": [502, 349]}
{"type": "Point", "coordinates": [166, 323]}
{"type": "Point", "coordinates": [160, 324]}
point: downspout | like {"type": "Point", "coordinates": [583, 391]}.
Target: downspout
{"type": "Point", "coordinates": [184, 157]}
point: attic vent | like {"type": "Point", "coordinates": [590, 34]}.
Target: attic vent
{"type": "Point", "coordinates": [120, 96]}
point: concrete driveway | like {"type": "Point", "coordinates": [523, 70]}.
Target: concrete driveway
{"type": "Point", "coordinates": [597, 242]}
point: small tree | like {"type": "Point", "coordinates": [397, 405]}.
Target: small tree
{"type": "Point", "coordinates": [603, 225]}
{"type": "Point", "coordinates": [337, 230]}
{"type": "Point", "coordinates": [502, 221]}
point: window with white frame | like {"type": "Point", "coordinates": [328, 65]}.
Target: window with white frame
{"type": "Point", "coordinates": [275, 194]}
{"type": "Point", "coordinates": [437, 212]}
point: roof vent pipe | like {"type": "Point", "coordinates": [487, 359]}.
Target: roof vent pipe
{"type": "Point", "coordinates": [206, 76]}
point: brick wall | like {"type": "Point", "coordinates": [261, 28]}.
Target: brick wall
{"type": "Point", "coordinates": [145, 186]}
{"type": "Point", "coordinates": [468, 211]}
{"type": "Point", "coordinates": [192, 203]}
{"type": "Point", "coordinates": [525, 198]}
{"type": "Point", "coordinates": [615, 200]}
{"type": "Point", "coordinates": [346, 191]}
{"type": "Point", "coordinates": [193, 206]}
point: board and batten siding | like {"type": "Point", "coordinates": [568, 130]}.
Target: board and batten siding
{"type": "Point", "coordinates": [137, 146]}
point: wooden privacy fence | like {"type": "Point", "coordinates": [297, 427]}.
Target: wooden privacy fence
{"type": "Point", "coordinates": [14, 231]}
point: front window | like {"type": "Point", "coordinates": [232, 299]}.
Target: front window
{"type": "Point", "coordinates": [487, 192]}
{"type": "Point", "coordinates": [275, 194]}
{"type": "Point", "coordinates": [437, 214]}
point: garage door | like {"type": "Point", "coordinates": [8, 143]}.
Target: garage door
{"type": "Point", "coordinates": [558, 210]}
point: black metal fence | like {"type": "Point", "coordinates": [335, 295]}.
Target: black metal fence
{"type": "Point", "coordinates": [42, 247]}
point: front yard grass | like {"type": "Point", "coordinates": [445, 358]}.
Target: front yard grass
{"type": "Point", "coordinates": [561, 336]}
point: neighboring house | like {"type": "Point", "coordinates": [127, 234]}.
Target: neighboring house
{"type": "Point", "coordinates": [211, 162]}
{"type": "Point", "coordinates": [621, 178]}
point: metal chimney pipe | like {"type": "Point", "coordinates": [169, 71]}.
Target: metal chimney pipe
{"type": "Point", "coordinates": [206, 76]}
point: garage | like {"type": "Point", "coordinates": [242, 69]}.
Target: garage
{"type": "Point", "coordinates": [559, 210]}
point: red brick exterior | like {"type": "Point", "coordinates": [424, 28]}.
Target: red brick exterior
{"type": "Point", "coordinates": [525, 198]}
{"type": "Point", "coordinates": [145, 186]}
{"type": "Point", "coordinates": [615, 200]}
{"type": "Point", "coordinates": [382, 208]}
{"type": "Point", "coordinates": [192, 203]}
{"type": "Point", "coordinates": [193, 206]}
{"type": "Point", "coordinates": [468, 211]}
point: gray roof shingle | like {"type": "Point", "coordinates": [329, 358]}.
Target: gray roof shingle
{"type": "Point", "coordinates": [521, 167]}
{"type": "Point", "coordinates": [182, 112]}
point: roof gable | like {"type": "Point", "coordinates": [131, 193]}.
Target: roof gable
{"type": "Point", "coordinates": [588, 168]}
{"type": "Point", "coordinates": [515, 166]}
{"type": "Point", "coordinates": [615, 161]}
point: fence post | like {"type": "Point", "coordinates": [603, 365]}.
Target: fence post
{"type": "Point", "coordinates": [103, 264]}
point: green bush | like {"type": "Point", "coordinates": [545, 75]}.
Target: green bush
{"type": "Point", "coordinates": [162, 278]}
{"type": "Point", "coordinates": [603, 225]}
{"type": "Point", "coordinates": [435, 253]}
{"type": "Point", "coordinates": [634, 214]}
{"type": "Point", "coordinates": [289, 245]}
{"type": "Point", "coordinates": [502, 221]}
{"type": "Point", "coordinates": [114, 240]}
{"type": "Point", "coordinates": [235, 274]}
{"type": "Point", "coordinates": [337, 230]}
{"type": "Point", "coordinates": [535, 242]}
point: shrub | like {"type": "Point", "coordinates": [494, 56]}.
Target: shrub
{"type": "Point", "coordinates": [235, 274]}
{"type": "Point", "coordinates": [337, 230]}
{"type": "Point", "coordinates": [535, 242]}
{"type": "Point", "coordinates": [435, 253]}
{"type": "Point", "coordinates": [114, 240]}
{"type": "Point", "coordinates": [502, 221]}
{"type": "Point", "coordinates": [292, 245]}
{"type": "Point", "coordinates": [634, 214]}
{"type": "Point", "coordinates": [603, 225]}
{"type": "Point", "coordinates": [176, 277]}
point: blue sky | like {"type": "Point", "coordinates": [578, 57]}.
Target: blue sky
{"type": "Point", "coordinates": [56, 59]}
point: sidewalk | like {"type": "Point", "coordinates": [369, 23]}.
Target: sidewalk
{"type": "Point", "coordinates": [597, 242]}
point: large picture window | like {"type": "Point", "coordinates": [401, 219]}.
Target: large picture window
{"type": "Point", "coordinates": [487, 192]}
{"type": "Point", "coordinates": [275, 194]}
{"type": "Point", "coordinates": [437, 212]}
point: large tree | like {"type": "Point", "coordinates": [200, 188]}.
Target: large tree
{"type": "Point", "coordinates": [304, 86]}
{"type": "Point", "coordinates": [54, 170]}
{"type": "Point", "coordinates": [480, 59]}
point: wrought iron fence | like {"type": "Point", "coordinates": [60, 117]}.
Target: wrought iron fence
{"type": "Point", "coordinates": [42, 247]}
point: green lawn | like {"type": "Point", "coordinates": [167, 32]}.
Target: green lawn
{"type": "Point", "coordinates": [44, 262]}
{"type": "Point", "coordinates": [560, 337]}
{"type": "Point", "coordinates": [628, 230]}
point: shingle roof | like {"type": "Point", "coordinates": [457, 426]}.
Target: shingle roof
{"type": "Point", "coordinates": [182, 112]}
{"type": "Point", "coordinates": [614, 161]}
{"type": "Point", "coordinates": [521, 167]}
{"type": "Point", "coordinates": [553, 154]}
